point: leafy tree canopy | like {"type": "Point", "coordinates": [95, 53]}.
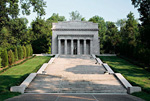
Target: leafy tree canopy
{"type": "Point", "coordinates": [9, 9]}
{"type": "Point", "coordinates": [75, 16]}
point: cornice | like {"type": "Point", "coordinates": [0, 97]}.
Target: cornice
{"type": "Point", "coordinates": [75, 29]}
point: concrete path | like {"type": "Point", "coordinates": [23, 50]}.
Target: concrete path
{"type": "Point", "coordinates": [75, 74]}
{"type": "Point", "coordinates": [75, 97]}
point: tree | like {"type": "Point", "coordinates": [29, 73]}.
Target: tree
{"type": "Point", "coordinates": [16, 54]}
{"type": "Point", "coordinates": [132, 30]}
{"type": "Point", "coordinates": [144, 10]}
{"type": "Point", "coordinates": [28, 50]}
{"type": "Point", "coordinates": [0, 57]}
{"type": "Point", "coordinates": [102, 29]}
{"type": "Point", "coordinates": [5, 38]}
{"type": "Point", "coordinates": [11, 57]}
{"type": "Point", "coordinates": [0, 62]}
{"type": "Point", "coordinates": [24, 52]}
{"type": "Point", "coordinates": [130, 38]}
{"type": "Point", "coordinates": [42, 35]}
{"type": "Point", "coordinates": [18, 29]}
{"type": "Point", "coordinates": [9, 9]}
{"type": "Point", "coordinates": [55, 18]}
{"type": "Point", "coordinates": [31, 50]}
{"type": "Point", "coordinates": [20, 52]}
{"type": "Point", "coordinates": [75, 16]}
{"type": "Point", "coordinates": [111, 37]}
{"type": "Point", "coordinates": [4, 57]}
{"type": "Point", "coordinates": [121, 23]}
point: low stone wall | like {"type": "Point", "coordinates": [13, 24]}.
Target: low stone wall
{"type": "Point", "coordinates": [106, 66]}
{"type": "Point", "coordinates": [24, 84]}
{"type": "Point", "coordinates": [41, 70]}
{"type": "Point", "coordinates": [127, 85]}
{"type": "Point", "coordinates": [106, 55]}
{"type": "Point", "coordinates": [43, 54]}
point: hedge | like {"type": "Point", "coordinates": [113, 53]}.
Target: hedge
{"type": "Point", "coordinates": [14, 54]}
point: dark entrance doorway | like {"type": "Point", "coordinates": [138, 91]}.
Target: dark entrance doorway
{"type": "Point", "coordinates": [75, 47]}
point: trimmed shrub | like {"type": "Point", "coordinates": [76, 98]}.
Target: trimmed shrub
{"type": "Point", "coordinates": [16, 54]}
{"type": "Point", "coordinates": [0, 57]}
{"type": "Point", "coordinates": [0, 62]}
{"type": "Point", "coordinates": [4, 57]}
{"type": "Point", "coordinates": [24, 51]}
{"type": "Point", "coordinates": [20, 52]}
{"type": "Point", "coordinates": [28, 50]}
{"type": "Point", "coordinates": [11, 57]}
{"type": "Point", "coordinates": [31, 50]}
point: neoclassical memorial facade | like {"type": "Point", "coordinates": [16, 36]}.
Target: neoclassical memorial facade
{"type": "Point", "coordinates": [75, 38]}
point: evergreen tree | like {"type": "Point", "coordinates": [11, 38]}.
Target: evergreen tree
{"type": "Point", "coordinates": [0, 58]}
{"type": "Point", "coordinates": [24, 52]}
{"type": "Point", "coordinates": [111, 37]}
{"type": "Point", "coordinates": [31, 50]}
{"type": "Point", "coordinates": [102, 30]}
{"type": "Point", "coordinates": [4, 57]}
{"type": "Point", "coordinates": [28, 50]}
{"type": "Point", "coordinates": [20, 52]}
{"type": "Point", "coordinates": [75, 16]}
{"type": "Point", "coordinates": [0, 62]}
{"type": "Point", "coordinates": [16, 54]}
{"type": "Point", "coordinates": [144, 10]}
{"type": "Point", "coordinates": [10, 57]}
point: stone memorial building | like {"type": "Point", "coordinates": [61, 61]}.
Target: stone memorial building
{"type": "Point", "coordinates": [75, 38]}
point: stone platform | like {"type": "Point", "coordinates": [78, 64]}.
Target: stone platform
{"type": "Point", "coordinates": [75, 74]}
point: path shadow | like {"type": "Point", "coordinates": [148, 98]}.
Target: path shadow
{"type": "Point", "coordinates": [86, 69]}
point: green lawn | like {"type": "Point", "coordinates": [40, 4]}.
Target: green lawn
{"type": "Point", "coordinates": [137, 76]}
{"type": "Point", "coordinates": [15, 75]}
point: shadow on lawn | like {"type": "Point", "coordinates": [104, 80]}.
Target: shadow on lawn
{"type": "Point", "coordinates": [6, 81]}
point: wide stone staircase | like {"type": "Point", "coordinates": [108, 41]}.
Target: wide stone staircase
{"type": "Point", "coordinates": [75, 74]}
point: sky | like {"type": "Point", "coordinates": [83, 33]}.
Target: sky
{"type": "Point", "coordinates": [110, 10]}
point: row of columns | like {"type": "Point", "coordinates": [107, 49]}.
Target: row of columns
{"type": "Point", "coordinates": [72, 46]}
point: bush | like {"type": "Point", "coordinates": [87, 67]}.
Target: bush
{"type": "Point", "coordinates": [0, 62]}
{"type": "Point", "coordinates": [20, 52]}
{"type": "Point", "coordinates": [31, 50]}
{"type": "Point", "coordinates": [24, 51]}
{"type": "Point", "coordinates": [16, 54]}
{"type": "Point", "coordinates": [4, 57]}
{"type": "Point", "coordinates": [11, 57]}
{"type": "Point", "coordinates": [27, 50]}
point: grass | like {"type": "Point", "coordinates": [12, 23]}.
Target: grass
{"type": "Point", "coordinates": [15, 75]}
{"type": "Point", "coordinates": [136, 75]}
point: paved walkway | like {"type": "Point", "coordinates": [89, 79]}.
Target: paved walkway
{"type": "Point", "coordinates": [75, 74]}
{"type": "Point", "coordinates": [74, 97]}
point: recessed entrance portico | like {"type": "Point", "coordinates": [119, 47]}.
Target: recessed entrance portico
{"type": "Point", "coordinates": [74, 45]}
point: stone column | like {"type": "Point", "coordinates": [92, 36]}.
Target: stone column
{"type": "Point", "coordinates": [71, 46]}
{"type": "Point", "coordinates": [78, 46]}
{"type": "Point", "coordinates": [66, 46]}
{"type": "Point", "coordinates": [59, 46]}
{"type": "Point", "coordinates": [84, 46]}
{"type": "Point", "coordinates": [91, 46]}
